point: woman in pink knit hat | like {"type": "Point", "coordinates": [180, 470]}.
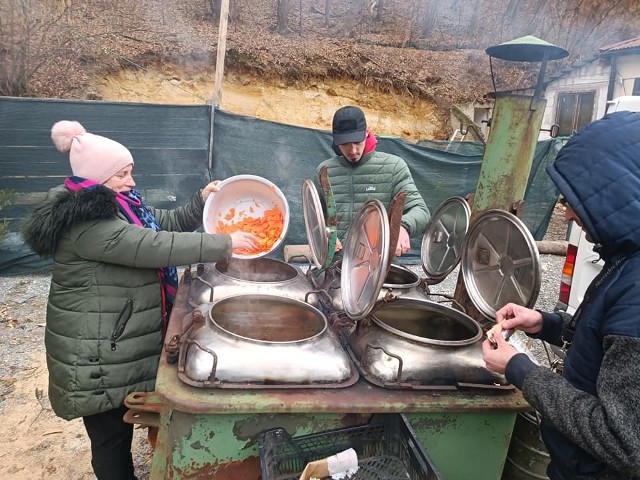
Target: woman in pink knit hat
{"type": "Point", "coordinates": [112, 286]}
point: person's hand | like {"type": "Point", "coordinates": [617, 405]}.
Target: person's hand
{"type": "Point", "coordinates": [242, 240]}
{"type": "Point", "coordinates": [519, 317]}
{"type": "Point", "coordinates": [404, 243]}
{"type": "Point", "coordinates": [338, 245]}
{"type": "Point", "coordinates": [209, 189]}
{"type": "Point", "coordinates": [497, 354]}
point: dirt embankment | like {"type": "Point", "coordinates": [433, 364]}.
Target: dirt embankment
{"type": "Point", "coordinates": [308, 105]}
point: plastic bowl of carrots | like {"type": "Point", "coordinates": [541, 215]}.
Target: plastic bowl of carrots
{"type": "Point", "coordinates": [252, 204]}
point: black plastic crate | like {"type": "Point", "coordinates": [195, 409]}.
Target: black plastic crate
{"type": "Point", "coordinates": [387, 449]}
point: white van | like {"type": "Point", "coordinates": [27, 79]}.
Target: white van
{"type": "Point", "coordinates": [582, 263]}
{"type": "Point", "coordinates": [627, 102]}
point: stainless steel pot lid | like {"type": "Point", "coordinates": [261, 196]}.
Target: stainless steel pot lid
{"type": "Point", "coordinates": [321, 238]}
{"type": "Point", "coordinates": [500, 262]}
{"type": "Point", "coordinates": [365, 259]}
{"type": "Point", "coordinates": [443, 238]}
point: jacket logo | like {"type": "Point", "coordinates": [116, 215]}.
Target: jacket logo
{"type": "Point", "coordinates": [370, 188]}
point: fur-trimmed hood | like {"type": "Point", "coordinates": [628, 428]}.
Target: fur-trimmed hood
{"type": "Point", "coordinates": [63, 209]}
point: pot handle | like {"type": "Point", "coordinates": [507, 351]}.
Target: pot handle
{"type": "Point", "coordinates": [184, 347]}
{"type": "Point", "coordinates": [392, 355]}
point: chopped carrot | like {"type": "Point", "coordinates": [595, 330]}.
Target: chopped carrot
{"type": "Point", "coordinates": [267, 229]}
{"type": "Point", "coordinates": [230, 214]}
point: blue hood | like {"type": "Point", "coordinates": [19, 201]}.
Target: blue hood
{"type": "Point", "coordinates": [598, 172]}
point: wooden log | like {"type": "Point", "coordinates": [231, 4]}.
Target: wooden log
{"type": "Point", "coordinates": [552, 247]}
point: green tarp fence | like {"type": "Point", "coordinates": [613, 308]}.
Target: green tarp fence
{"type": "Point", "coordinates": [171, 148]}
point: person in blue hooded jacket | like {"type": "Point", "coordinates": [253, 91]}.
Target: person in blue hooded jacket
{"type": "Point", "coordinates": [590, 413]}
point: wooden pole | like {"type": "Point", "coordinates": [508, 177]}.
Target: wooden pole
{"type": "Point", "coordinates": [217, 89]}
{"type": "Point", "coordinates": [222, 48]}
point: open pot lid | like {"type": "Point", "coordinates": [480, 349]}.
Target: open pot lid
{"type": "Point", "coordinates": [321, 238]}
{"type": "Point", "coordinates": [365, 261]}
{"type": "Point", "coordinates": [500, 262]}
{"type": "Point", "coordinates": [443, 238]}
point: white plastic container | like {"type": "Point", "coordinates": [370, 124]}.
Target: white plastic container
{"type": "Point", "coordinates": [243, 196]}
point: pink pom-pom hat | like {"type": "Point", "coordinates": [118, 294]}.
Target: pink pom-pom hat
{"type": "Point", "coordinates": [91, 156]}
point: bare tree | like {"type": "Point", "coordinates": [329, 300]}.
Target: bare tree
{"type": "Point", "coordinates": [327, 13]}
{"type": "Point", "coordinates": [474, 22]}
{"type": "Point", "coordinates": [379, 9]}
{"type": "Point", "coordinates": [586, 17]}
{"type": "Point", "coordinates": [212, 8]}
{"type": "Point", "coordinates": [29, 42]}
{"type": "Point", "coordinates": [283, 17]}
{"type": "Point", "coordinates": [513, 9]}
{"type": "Point", "coordinates": [430, 18]}
{"type": "Point", "coordinates": [415, 10]}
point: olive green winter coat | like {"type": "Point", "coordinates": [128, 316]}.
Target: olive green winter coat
{"type": "Point", "coordinates": [377, 175]}
{"type": "Point", "coordinates": [104, 323]}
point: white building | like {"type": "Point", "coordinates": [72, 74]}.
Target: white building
{"type": "Point", "coordinates": [580, 94]}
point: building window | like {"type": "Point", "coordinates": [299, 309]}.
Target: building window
{"type": "Point", "coordinates": [574, 111]}
{"type": "Point", "coordinates": [636, 87]}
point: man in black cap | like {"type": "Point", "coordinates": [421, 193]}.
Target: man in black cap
{"type": "Point", "coordinates": [359, 173]}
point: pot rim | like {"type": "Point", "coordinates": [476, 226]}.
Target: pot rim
{"type": "Point", "coordinates": [415, 283]}
{"type": "Point", "coordinates": [213, 323]}
{"type": "Point", "coordinates": [429, 341]}
{"type": "Point", "coordinates": [261, 282]}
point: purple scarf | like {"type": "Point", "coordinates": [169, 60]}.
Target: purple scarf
{"type": "Point", "coordinates": [132, 207]}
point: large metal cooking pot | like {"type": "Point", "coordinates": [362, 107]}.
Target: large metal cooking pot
{"type": "Point", "coordinates": [440, 253]}
{"type": "Point", "coordinates": [244, 196]}
{"type": "Point", "coordinates": [259, 341]}
{"type": "Point", "coordinates": [399, 281]}
{"type": "Point", "coordinates": [419, 343]}
{"type": "Point", "coordinates": [257, 276]}
{"type": "Point", "coordinates": [402, 282]}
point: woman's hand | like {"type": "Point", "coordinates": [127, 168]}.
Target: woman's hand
{"type": "Point", "coordinates": [209, 189]}
{"type": "Point", "coordinates": [242, 240]}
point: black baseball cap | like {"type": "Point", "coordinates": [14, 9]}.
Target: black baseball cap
{"type": "Point", "coordinates": [349, 126]}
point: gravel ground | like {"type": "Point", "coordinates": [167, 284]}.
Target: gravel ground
{"type": "Point", "coordinates": [22, 316]}
{"type": "Point", "coordinates": [34, 443]}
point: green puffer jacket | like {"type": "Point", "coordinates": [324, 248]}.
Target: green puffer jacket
{"type": "Point", "coordinates": [377, 175]}
{"type": "Point", "coordinates": [104, 323]}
